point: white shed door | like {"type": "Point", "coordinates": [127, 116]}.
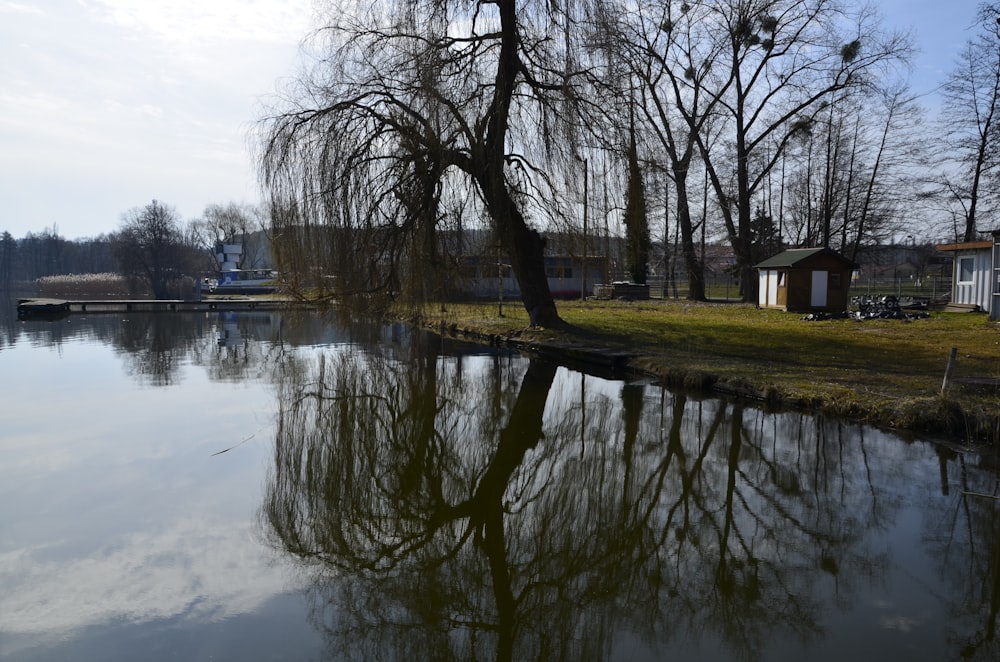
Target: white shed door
{"type": "Point", "coordinates": [767, 289]}
{"type": "Point", "coordinates": [820, 279]}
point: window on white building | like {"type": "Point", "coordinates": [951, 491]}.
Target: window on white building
{"type": "Point", "coordinates": [966, 269]}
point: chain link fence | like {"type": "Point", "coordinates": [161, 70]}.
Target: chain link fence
{"type": "Point", "coordinates": [932, 289]}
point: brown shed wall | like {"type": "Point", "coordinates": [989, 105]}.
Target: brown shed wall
{"type": "Point", "coordinates": [799, 290]}
{"type": "Point", "coordinates": [795, 293]}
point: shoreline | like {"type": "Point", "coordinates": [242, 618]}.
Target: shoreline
{"type": "Point", "coordinates": [966, 415]}
{"type": "Point", "coordinates": [695, 347]}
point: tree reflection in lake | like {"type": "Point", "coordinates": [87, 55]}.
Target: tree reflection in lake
{"type": "Point", "coordinates": [231, 346]}
{"type": "Point", "coordinates": [497, 507]}
{"type": "Point", "coordinates": [445, 510]}
{"type": "Point", "coordinates": [964, 538]}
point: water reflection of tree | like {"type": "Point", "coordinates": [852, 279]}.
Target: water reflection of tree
{"type": "Point", "coordinates": [154, 346]}
{"type": "Point", "coordinates": [963, 533]}
{"type": "Point", "coordinates": [443, 516]}
{"type": "Point", "coordinates": [8, 318]}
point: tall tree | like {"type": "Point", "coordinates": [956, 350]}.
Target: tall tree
{"type": "Point", "coordinates": [662, 43]}
{"type": "Point", "coordinates": [413, 102]}
{"type": "Point", "coordinates": [851, 172]}
{"type": "Point", "coordinates": [234, 223]}
{"type": "Point", "coordinates": [766, 70]}
{"type": "Point", "coordinates": [970, 120]}
{"type": "Point", "coordinates": [149, 247]}
{"type": "Point", "coordinates": [637, 241]}
{"type": "Point", "coordinates": [891, 147]}
{"type": "Point", "coordinates": [8, 250]}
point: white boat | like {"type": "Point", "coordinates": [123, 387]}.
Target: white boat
{"type": "Point", "coordinates": [231, 280]}
{"type": "Point", "coordinates": [241, 281]}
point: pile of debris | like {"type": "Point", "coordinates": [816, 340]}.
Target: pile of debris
{"type": "Point", "coordinates": [887, 307]}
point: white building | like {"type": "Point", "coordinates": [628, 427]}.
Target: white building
{"type": "Point", "coordinates": [976, 275]}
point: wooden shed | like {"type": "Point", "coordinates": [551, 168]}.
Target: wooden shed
{"type": "Point", "coordinates": [805, 280]}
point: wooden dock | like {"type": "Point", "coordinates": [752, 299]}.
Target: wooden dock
{"type": "Point", "coordinates": [49, 308]}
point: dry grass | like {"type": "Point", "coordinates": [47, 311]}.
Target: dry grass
{"type": "Point", "coordinates": [888, 372]}
{"type": "Point", "coordinates": [85, 286]}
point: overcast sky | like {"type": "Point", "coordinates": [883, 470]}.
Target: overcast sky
{"type": "Point", "coordinates": [108, 104]}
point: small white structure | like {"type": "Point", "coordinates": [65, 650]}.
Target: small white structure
{"type": "Point", "coordinates": [230, 279]}
{"type": "Point", "coordinates": [976, 274]}
{"type": "Point", "coordinates": [229, 256]}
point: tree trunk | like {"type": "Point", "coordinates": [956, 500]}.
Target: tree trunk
{"type": "Point", "coordinates": [694, 266]}
{"type": "Point", "coordinates": [524, 245]}
{"type": "Point", "coordinates": [526, 249]}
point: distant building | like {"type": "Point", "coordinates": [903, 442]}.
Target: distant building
{"type": "Point", "coordinates": [568, 277]}
{"type": "Point", "coordinates": [805, 280]}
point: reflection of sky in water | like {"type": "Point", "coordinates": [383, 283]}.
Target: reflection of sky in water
{"type": "Point", "coordinates": [113, 509]}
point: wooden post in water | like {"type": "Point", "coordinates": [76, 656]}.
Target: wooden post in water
{"type": "Point", "coordinates": [948, 369]}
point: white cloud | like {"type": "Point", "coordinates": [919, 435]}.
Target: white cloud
{"type": "Point", "coordinates": [107, 103]}
{"type": "Point", "coordinates": [19, 8]}
{"type": "Point", "coordinates": [194, 568]}
{"type": "Point", "coordinates": [188, 21]}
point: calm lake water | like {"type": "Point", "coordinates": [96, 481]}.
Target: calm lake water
{"type": "Point", "coordinates": [273, 486]}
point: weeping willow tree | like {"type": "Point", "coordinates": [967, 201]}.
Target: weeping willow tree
{"type": "Point", "coordinates": [413, 110]}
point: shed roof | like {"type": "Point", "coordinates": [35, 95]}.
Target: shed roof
{"type": "Point", "coordinates": [965, 246]}
{"type": "Point", "coordinates": [794, 257]}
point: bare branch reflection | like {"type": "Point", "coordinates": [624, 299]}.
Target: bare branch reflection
{"type": "Point", "coordinates": [450, 509]}
{"type": "Point", "coordinates": [446, 506]}
{"type": "Point", "coordinates": [964, 537]}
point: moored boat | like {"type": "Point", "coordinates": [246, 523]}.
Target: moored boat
{"type": "Point", "coordinates": [241, 281]}
{"type": "Point", "coordinates": [230, 279]}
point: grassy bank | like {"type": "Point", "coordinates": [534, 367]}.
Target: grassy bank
{"type": "Point", "coordinates": [885, 372]}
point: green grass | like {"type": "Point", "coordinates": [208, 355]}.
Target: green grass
{"type": "Point", "coordinates": [887, 372]}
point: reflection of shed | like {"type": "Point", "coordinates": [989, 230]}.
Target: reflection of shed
{"type": "Point", "coordinates": [805, 279]}
{"type": "Point", "coordinates": [976, 280]}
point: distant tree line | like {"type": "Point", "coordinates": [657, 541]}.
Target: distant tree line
{"type": "Point", "coordinates": [152, 248]}
{"type": "Point", "coordinates": [37, 255]}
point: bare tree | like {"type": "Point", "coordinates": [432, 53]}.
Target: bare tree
{"type": "Point", "coordinates": [880, 180]}
{"type": "Point", "coordinates": [234, 223]}
{"type": "Point", "coordinates": [734, 82]}
{"type": "Point", "coordinates": [767, 69]}
{"type": "Point", "coordinates": [150, 248]}
{"type": "Point", "coordinates": [844, 181]}
{"type": "Point", "coordinates": [662, 44]}
{"type": "Point", "coordinates": [969, 121]}
{"type": "Point", "coordinates": [409, 106]}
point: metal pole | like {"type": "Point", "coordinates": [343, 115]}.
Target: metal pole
{"type": "Point", "coordinates": [499, 284]}
{"type": "Point", "coordinates": [586, 197]}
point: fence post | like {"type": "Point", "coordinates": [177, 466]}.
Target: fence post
{"type": "Point", "coordinates": [948, 369]}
